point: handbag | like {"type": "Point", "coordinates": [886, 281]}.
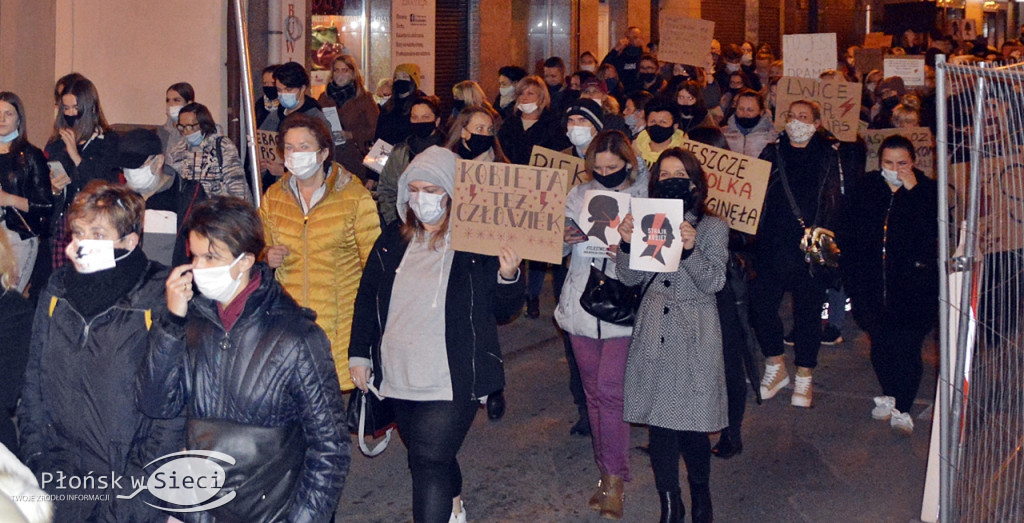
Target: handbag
{"type": "Point", "coordinates": [610, 300]}
{"type": "Point", "coordinates": [369, 414]}
{"type": "Point", "coordinates": [818, 243]}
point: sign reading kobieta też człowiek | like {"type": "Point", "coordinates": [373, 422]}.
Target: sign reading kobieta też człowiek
{"type": "Point", "coordinates": [502, 203]}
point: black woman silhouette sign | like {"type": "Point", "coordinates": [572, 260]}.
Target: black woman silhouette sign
{"type": "Point", "coordinates": [657, 231]}
{"type": "Point", "coordinates": [604, 215]}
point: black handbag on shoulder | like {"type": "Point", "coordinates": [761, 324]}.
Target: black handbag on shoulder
{"type": "Point", "coordinates": [610, 300]}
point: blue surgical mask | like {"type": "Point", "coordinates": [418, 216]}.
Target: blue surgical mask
{"type": "Point", "coordinates": [288, 100]}
{"type": "Point", "coordinates": [10, 137]}
{"type": "Point", "coordinates": [195, 138]}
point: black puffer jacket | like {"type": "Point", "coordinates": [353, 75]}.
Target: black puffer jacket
{"type": "Point", "coordinates": [24, 173]}
{"type": "Point", "coordinates": [474, 305]}
{"type": "Point", "coordinates": [265, 393]}
{"type": "Point", "coordinates": [76, 414]}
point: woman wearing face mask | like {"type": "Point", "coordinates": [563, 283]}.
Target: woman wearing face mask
{"type": "Point", "coordinates": [805, 163]}
{"type": "Point", "coordinates": [393, 121]}
{"type": "Point", "coordinates": [86, 148]}
{"type": "Point", "coordinates": [508, 78]}
{"type": "Point", "coordinates": [426, 324]}
{"type": "Point", "coordinates": [291, 82]}
{"type": "Point", "coordinates": [693, 113]}
{"type": "Point", "coordinates": [662, 132]}
{"type": "Point", "coordinates": [208, 157]}
{"type": "Point", "coordinates": [268, 102]}
{"type": "Point", "coordinates": [424, 118]}
{"type": "Point", "coordinates": [634, 113]}
{"type": "Point", "coordinates": [472, 135]}
{"type": "Point", "coordinates": [533, 123]}
{"type": "Point", "coordinates": [89, 336]}
{"type": "Point", "coordinates": [750, 127]}
{"type": "Point", "coordinates": [601, 348]}
{"type": "Point", "coordinates": [251, 371]}
{"type": "Point", "coordinates": [675, 355]}
{"type": "Point", "coordinates": [357, 112]}
{"type": "Point", "coordinates": [320, 223]}
{"type": "Point", "coordinates": [26, 203]}
{"type": "Point", "coordinates": [889, 253]}
{"type": "Point", "coordinates": [178, 96]}
{"type": "Point", "coordinates": [465, 93]}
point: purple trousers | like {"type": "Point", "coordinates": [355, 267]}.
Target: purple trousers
{"type": "Point", "coordinates": [602, 366]}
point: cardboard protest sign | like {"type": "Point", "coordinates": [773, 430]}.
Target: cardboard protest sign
{"type": "Point", "coordinates": [685, 40]}
{"type": "Point", "coordinates": [266, 142]}
{"type": "Point", "coordinates": [877, 40]}
{"type": "Point", "coordinates": [867, 60]}
{"type": "Point", "coordinates": [921, 137]}
{"type": "Point", "coordinates": [655, 245]}
{"type": "Point", "coordinates": [839, 100]}
{"type": "Point", "coordinates": [600, 217]}
{"type": "Point", "coordinates": [551, 159]}
{"type": "Point", "coordinates": [502, 203]}
{"type": "Point", "coordinates": [909, 68]}
{"type": "Point", "coordinates": [808, 55]}
{"type": "Point", "coordinates": [1001, 208]}
{"type": "Point", "coordinates": [736, 185]}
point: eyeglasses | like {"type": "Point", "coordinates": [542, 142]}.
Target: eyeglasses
{"type": "Point", "coordinates": [187, 127]}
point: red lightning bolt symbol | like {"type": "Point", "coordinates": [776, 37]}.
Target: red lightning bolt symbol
{"type": "Point", "coordinates": [846, 106]}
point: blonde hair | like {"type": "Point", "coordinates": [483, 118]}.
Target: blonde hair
{"type": "Point", "coordinates": [543, 98]}
{"type": "Point", "coordinates": [8, 265]}
{"type": "Point", "coordinates": [357, 76]}
{"type": "Point", "coordinates": [469, 92]}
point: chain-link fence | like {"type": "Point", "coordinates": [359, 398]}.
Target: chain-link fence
{"type": "Point", "coordinates": [980, 150]}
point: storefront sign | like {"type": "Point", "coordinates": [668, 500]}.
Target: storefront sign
{"type": "Point", "coordinates": [293, 25]}
{"type": "Point", "coordinates": [412, 38]}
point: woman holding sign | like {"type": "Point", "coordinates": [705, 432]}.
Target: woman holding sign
{"type": "Point", "coordinates": [601, 347]}
{"type": "Point", "coordinates": [426, 323]}
{"type": "Point", "coordinates": [675, 376]}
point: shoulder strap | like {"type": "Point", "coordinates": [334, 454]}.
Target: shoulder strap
{"type": "Point", "coordinates": [220, 153]}
{"type": "Point", "coordinates": [785, 186]}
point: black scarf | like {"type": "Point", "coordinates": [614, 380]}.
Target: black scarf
{"type": "Point", "coordinates": [341, 94]}
{"type": "Point", "coordinates": [91, 294]}
{"type": "Point", "coordinates": [418, 145]}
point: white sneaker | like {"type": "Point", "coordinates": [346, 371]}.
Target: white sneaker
{"type": "Point", "coordinates": [802, 392]}
{"type": "Point", "coordinates": [902, 422]}
{"type": "Point", "coordinates": [883, 407]}
{"type": "Point", "coordinates": [461, 516]}
{"type": "Point", "coordinates": [773, 380]}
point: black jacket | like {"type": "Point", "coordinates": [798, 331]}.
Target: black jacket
{"type": "Point", "coordinates": [99, 162]}
{"type": "Point", "coordinates": [76, 413]}
{"type": "Point", "coordinates": [517, 143]}
{"type": "Point", "coordinates": [393, 124]}
{"type": "Point", "coordinates": [474, 305]}
{"type": "Point", "coordinates": [891, 273]}
{"type": "Point", "coordinates": [26, 174]}
{"type": "Point", "coordinates": [265, 393]}
{"type": "Point", "coordinates": [16, 326]}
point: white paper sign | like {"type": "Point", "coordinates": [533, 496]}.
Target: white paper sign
{"type": "Point", "coordinates": [599, 218]}
{"type": "Point", "coordinates": [909, 68]}
{"type": "Point", "coordinates": [808, 55]}
{"type": "Point", "coordinates": [331, 113]}
{"type": "Point", "coordinates": [378, 156]}
{"type": "Point", "coordinates": [656, 246]}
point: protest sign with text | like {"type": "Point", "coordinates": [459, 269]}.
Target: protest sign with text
{"type": "Point", "coordinates": [266, 142]}
{"type": "Point", "coordinates": [552, 159]}
{"type": "Point", "coordinates": [909, 68]}
{"type": "Point", "coordinates": [736, 185]}
{"type": "Point", "coordinates": [808, 55]}
{"type": "Point", "coordinates": [600, 216]}
{"type": "Point", "coordinates": [655, 245]}
{"type": "Point", "coordinates": [502, 203]}
{"type": "Point", "coordinates": [839, 100]}
{"type": "Point", "coordinates": [921, 137]}
{"type": "Point", "coordinates": [685, 40]}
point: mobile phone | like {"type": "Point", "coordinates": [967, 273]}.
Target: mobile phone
{"type": "Point", "coordinates": [56, 168]}
{"type": "Point", "coordinates": [574, 230]}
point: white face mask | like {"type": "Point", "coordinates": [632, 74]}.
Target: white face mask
{"type": "Point", "coordinates": [142, 180]}
{"type": "Point", "coordinates": [527, 108]}
{"type": "Point", "coordinates": [302, 165]}
{"type": "Point", "coordinates": [589, 67]}
{"type": "Point", "coordinates": [216, 283]}
{"type": "Point", "coordinates": [381, 100]}
{"type": "Point", "coordinates": [89, 256]}
{"type": "Point", "coordinates": [799, 132]}
{"type": "Point", "coordinates": [892, 177]}
{"type": "Point", "coordinates": [507, 91]}
{"type": "Point", "coordinates": [173, 111]}
{"type": "Point", "coordinates": [429, 208]}
{"type": "Point", "coordinates": [579, 135]}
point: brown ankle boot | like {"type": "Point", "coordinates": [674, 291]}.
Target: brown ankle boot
{"type": "Point", "coordinates": [598, 498]}
{"type": "Point", "coordinates": [614, 490]}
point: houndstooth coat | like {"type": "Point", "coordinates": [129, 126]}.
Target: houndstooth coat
{"type": "Point", "coordinates": [675, 375]}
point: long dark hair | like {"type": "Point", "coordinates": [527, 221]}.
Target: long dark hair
{"type": "Point", "coordinates": [693, 169]}
{"type": "Point", "coordinates": [460, 122]}
{"type": "Point", "coordinates": [91, 117]}
{"type": "Point", "coordinates": [203, 117]}
{"type": "Point", "coordinates": [19, 143]}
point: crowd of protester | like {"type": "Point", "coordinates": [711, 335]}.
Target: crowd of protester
{"type": "Point", "coordinates": [170, 313]}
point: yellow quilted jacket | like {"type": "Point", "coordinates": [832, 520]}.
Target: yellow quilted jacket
{"type": "Point", "coordinates": [327, 248]}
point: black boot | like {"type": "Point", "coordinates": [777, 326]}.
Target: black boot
{"type": "Point", "coordinates": [496, 405]}
{"type": "Point", "coordinates": [729, 444]}
{"type": "Point", "coordinates": [532, 306]}
{"type": "Point", "coordinates": [582, 426]}
{"type": "Point", "coordinates": [672, 509]}
{"type": "Point", "coordinates": [700, 503]}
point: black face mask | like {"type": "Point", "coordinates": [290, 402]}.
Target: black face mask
{"type": "Point", "coordinates": [423, 129]}
{"type": "Point", "coordinates": [270, 92]}
{"type": "Point", "coordinates": [676, 189]}
{"type": "Point", "coordinates": [648, 78]}
{"type": "Point", "coordinates": [687, 111]}
{"type": "Point", "coordinates": [476, 145]}
{"type": "Point", "coordinates": [459, 105]}
{"type": "Point", "coordinates": [614, 179]}
{"type": "Point", "coordinates": [890, 103]}
{"type": "Point", "coordinates": [611, 84]}
{"type": "Point", "coordinates": [72, 120]}
{"type": "Point", "coordinates": [402, 87]}
{"type": "Point", "coordinates": [748, 123]}
{"type": "Point", "coordinates": [573, 94]}
{"type": "Point", "coordinates": [660, 133]}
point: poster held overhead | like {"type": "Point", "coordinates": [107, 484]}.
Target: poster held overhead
{"type": "Point", "coordinates": [685, 40]}
{"type": "Point", "coordinates": [599, 218]}
{"type": "Point", "coordinates": [808, 55]}
{"type": "Point", "coordinates": [656, 245]}
{"type": "Point", "coordinates": [736, 185]}
{"type": "Point", "coordinates": [552, 159]}
{"type": "Point", "coordinates": [839, 100]}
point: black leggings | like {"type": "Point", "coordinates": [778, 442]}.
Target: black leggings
{"type": "Point", "coordinates": [433, 432]}
{"type": "Point", "coordinates": [665, 447]}
{"type": "Point", "coordinates": [734, 344]}
{"type": "Point", "coordinates": [896, 358]}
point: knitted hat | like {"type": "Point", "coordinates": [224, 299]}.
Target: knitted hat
{"type": "Point", "coordinates": [588, 109]}
{"type": "Point", "coordinates": [136, 146]}
{"type": "Point", "coordinates": [412, 70]}
{"type": "Point", "coordinates": [435, 165]}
